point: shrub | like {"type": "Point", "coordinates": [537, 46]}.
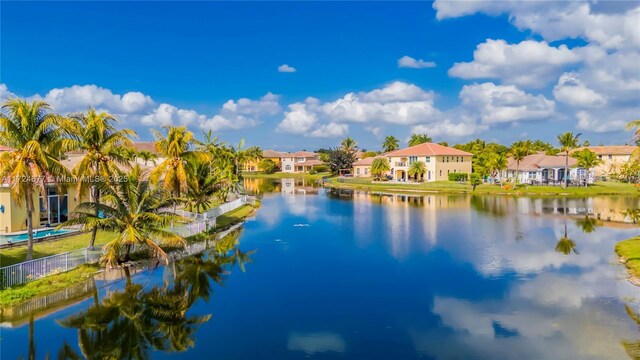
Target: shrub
{"type": "Point", "coordinates": [458, 176]}
{"type": "Point", "coordinates": [268, 166]}
{"type": "Point", "coordinates": [313, 171]}
{"type": "Point", "coordinates": [321, 168]}
{"type": "Point", "coordinates": [475, 180]}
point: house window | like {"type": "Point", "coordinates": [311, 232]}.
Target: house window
{"type": "Point", "coordinates": [358, 171]}
{"type": "Point", "coordinates": [440, 172]}
{"type": "Point", "coordinates": [532, 174]}
{"type": "Point", "coordinates": [429, 174]}
{"type": "Point", "coordinates": [287, 167]}
{"type": "Point", "coordinates": [610, 157]}
{"type": "Point", "coordinates": [300, 159]}
{"type": "Point", "coordinates": [366, 171]}
{"type": "Point", "coordinates": [412, 159]}
{"type": "Point", "coordinates": [428, 159]}
{"type": "Point", "coordinates": [600, 157]}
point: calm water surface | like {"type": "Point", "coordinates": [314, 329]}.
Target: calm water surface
{"type": "Point", "coordinates": [367, 276]}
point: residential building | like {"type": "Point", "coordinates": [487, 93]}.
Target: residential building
{"type": "Point", "coordinates": [613, 158]}
{"type": "Point", "coordinates": [299, 162]}
{"type": "Point", "coordinates": [439, 162]}
{"type": "Point", "coordinates": [49, 210]}
{"type": "Point", "coordinates": [276, 156]}
{"type": "Point", "coordinates": [541, 168]}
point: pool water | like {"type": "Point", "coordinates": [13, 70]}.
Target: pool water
{"type": "Point", "coordinates": [367, 277]}
{"type": "Point", "coordinates": [7, 239]}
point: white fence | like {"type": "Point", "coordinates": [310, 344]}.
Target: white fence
{"type": "Point", "coordinates": [50, 265]}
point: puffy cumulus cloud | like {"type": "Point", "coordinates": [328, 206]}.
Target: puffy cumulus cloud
{"type": "Point", "coordinates": [602, 25]}
{"type": "Point", "coordinates": [166, 114]}
{"type": "Point", "coordinates": [397, 103]}
{"type": "Point", "coordinates": [331, 130]}
{"type": "Point", "coordinates": [529, 63]}
{"type": "Point", "coordinates": [409, 62]}
{"type": "Point", "coordinates": [243, 113]}
{"type": "Point", "coordinates": [503, 104]}
{"type": "Point", "coordinates": [375, 130]}
{"type": "Point", "coordinates": [78, 98]}
{"type": "Point", "coordinates": [602, 122]}
{"type": "Point", "coordinates": [284, 68]}
{"type": "Point", "coordinates": [300, 117]}
{"type": "Point", "coordinates": [448, 129]}
{"type": "Point", "coordinates": [571, 90]}
{"type": "Point", "coordinates": [5, 94]}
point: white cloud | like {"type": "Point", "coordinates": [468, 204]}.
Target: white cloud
{"type": "Point", "coordinates": [243, 113]}
{"type": "Point", "coordinates": [558, 19]}
{"type": "Point", "coordinates": [5, 94]}
{"type": "Point", "coordinates": [600, 124]}
{"type": "Point", "coordinates": [409, 62]}
{"type": "Point", "coordinates": [79, 97]}
{"type": "Point", "coordinates": [447, 129]}
{"type": "Point", "coordinates": [571, 90]}
{"type": "Point", "coordinates": [375, 130]}
{"type": "Point", "coordinates": [503, 104]}
{"type": "Point", "coordinates": [528, 63]}
{"type": "Point", "coordinates": [398, 103]}
{"type": "Point", "coordinates": [331, 130]}
{"type": "Point", "coordinates": [284, 68]}
{"type": "Point", "coordinates": [300, 118]}
{"type": "Point", "coordinates": [166, 114]}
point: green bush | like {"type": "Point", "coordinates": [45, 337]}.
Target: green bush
{"type": "Point", "coordinates": [321, 168]}
{"type": "Point", "coordinates": [268, 166]}
{"type": "Point", "coordinates": [458, 176]}
{"type": "Point", "coordinates": [313, 172]}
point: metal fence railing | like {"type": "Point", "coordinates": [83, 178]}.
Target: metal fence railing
{"type": "Point", "coordinates": [35, 269]}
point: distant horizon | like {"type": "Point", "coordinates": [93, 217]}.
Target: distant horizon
{"type": "Point", "coordinates": [293, 76]}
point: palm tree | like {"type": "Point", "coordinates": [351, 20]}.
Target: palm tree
{"type": "Point", "coordinates": [634, 126]}
{"type": "Point", "coordinates": [390, 143]}
{"type": "Point", "coordinates": [587, 159]}
{"type": "Point", "coordinates": [568, 141]}
{"type": "Point", "coordinates": [203, 188]}
{"type": "Point", "coordinates": [417, 139]}
{"type": "Point", "coordinates": [566, 245]}
{"type": "Point", "coordinates": [94, 133]}
{"type": "Point", "coordinates": [417, 169]}
{"type": "Point", "coordinates": [518, 153]}
{"type": "Point", "coordinates": [176, 151]}
{"type": "Point", "coordinates": [348, 145]}
{"type": "Point", "coordinates": [379, 167]}
{"type": "Point", "coordinates": [497, 163]}
{"type": "Point", "coordinates": [588, 224]}
{"type": "Point", "coordinates": [32, 132]}
{"type": "Point", "coordinates": [147, 156]}
{"type": "Point", "coordinates": [138, 213]}
{"type": "Point", "coordinates": [632, 347]}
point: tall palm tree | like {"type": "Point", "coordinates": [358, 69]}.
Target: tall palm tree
{"type": "Point", "coordinates": [95, 134]}
{"type": "Point", "coordinates": [390, 143]}
{"type": "Point", "coordinates": [565, 245]}
{"type": "Point", "coordinates": [137, 212]}
{"type": "Point", "coordinates": [587, 159]}
{"type": "Point", "coordinates": [497, 163]}
{"type": "Point", "coordinates": [175, 148]}
{"type": "Point", "coordinates": [634, 125]}
{"type": "Point", "coordinates": [379, 167]}
{"type": "Point", "coordinates": [32, 132]}
{"type": "Point", "coordinates": [417, 169]}
{"type": "Point", "coordinates": [203, 188]}
{"type": "Point", "coordinates": [348, 145]}
{"type": "Point", "coordinates": [568, 141]}
{"type": "Point", "coordinates": [417, 139]}
{"type": "Point", "coordinates": [518, 153]}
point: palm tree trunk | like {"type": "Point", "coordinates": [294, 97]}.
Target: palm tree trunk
{"type": "Point", "coordinates": [32, 342]}
{"type": "Point", "coordinates": [566, 169]}
{"type": "Point", "coordinates": [29, 199]}
{"type": "Point", "coordinates": [517, 174]}
{"type": "Point", "coordinates": [94, 231]}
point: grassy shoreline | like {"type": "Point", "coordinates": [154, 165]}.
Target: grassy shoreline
{"type": "Point", "coordinates": [446, 187]}
{"type": "Point", "coordinates": [629, 253]}
{"type": "Point", "coordinates": [17, 294]}
{"type": "Point", "coordinates": [282, 175]}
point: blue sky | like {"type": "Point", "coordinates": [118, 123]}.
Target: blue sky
{"type": "Point", "coordinates": [176, 63]}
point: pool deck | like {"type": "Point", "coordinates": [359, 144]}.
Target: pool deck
{"type": "Point", "coordinates": [6, 243]}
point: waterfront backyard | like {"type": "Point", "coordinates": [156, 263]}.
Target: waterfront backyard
{"type": "Point", "coordinates": [352, 274]}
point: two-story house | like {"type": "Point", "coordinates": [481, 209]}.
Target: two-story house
{"type": "Point", "coordinates": [612, 157]}
{"type": "Point", "coordinates": [299, 161]}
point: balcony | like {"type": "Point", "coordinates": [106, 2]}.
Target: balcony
{"type": "Point", "coordinates": [400, 164]}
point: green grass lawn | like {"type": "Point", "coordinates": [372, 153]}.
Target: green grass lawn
{"type": "Point", "coordinates": [629, 250]}
{"type": "Point", "coordinates": [281, 175]}
{"type": "Point", "coordinates": [46, 285]}
{"type": "Point", "coordinates": [234, 217]}
{"type": "Point", "coordinates": [18, 254]}
{"type": "Point", "coordinates": [600, 188]}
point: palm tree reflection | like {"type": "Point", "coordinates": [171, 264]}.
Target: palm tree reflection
{"type": "Point", "coordinates": [130, 323]}
{"type": "Point", "coordinates": [566, 245]}
{"type": "Point", "coordinates": [632, 347]}
{"type": "Point", "coordinates": [588, 224]}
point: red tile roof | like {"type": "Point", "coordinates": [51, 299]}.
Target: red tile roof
{"type": "Point", "coordinates": [302, 154]}
{"type": "Point", "coordinates": [310, 163]}
{"type": "Point", "coordinates": [429, 149]}
{"type": "Point", "coordinates": [539, 161]}
{"type": "Point", "coordinates": [149, 146]}
{"type": "Point", "coordinates": [272, 154]}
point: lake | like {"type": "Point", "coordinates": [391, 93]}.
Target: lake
{"type": "Point", "coordinates": [350, 274]}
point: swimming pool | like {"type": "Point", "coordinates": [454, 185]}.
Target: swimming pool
{"type": "Point", "coordinates": [37, 234]}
